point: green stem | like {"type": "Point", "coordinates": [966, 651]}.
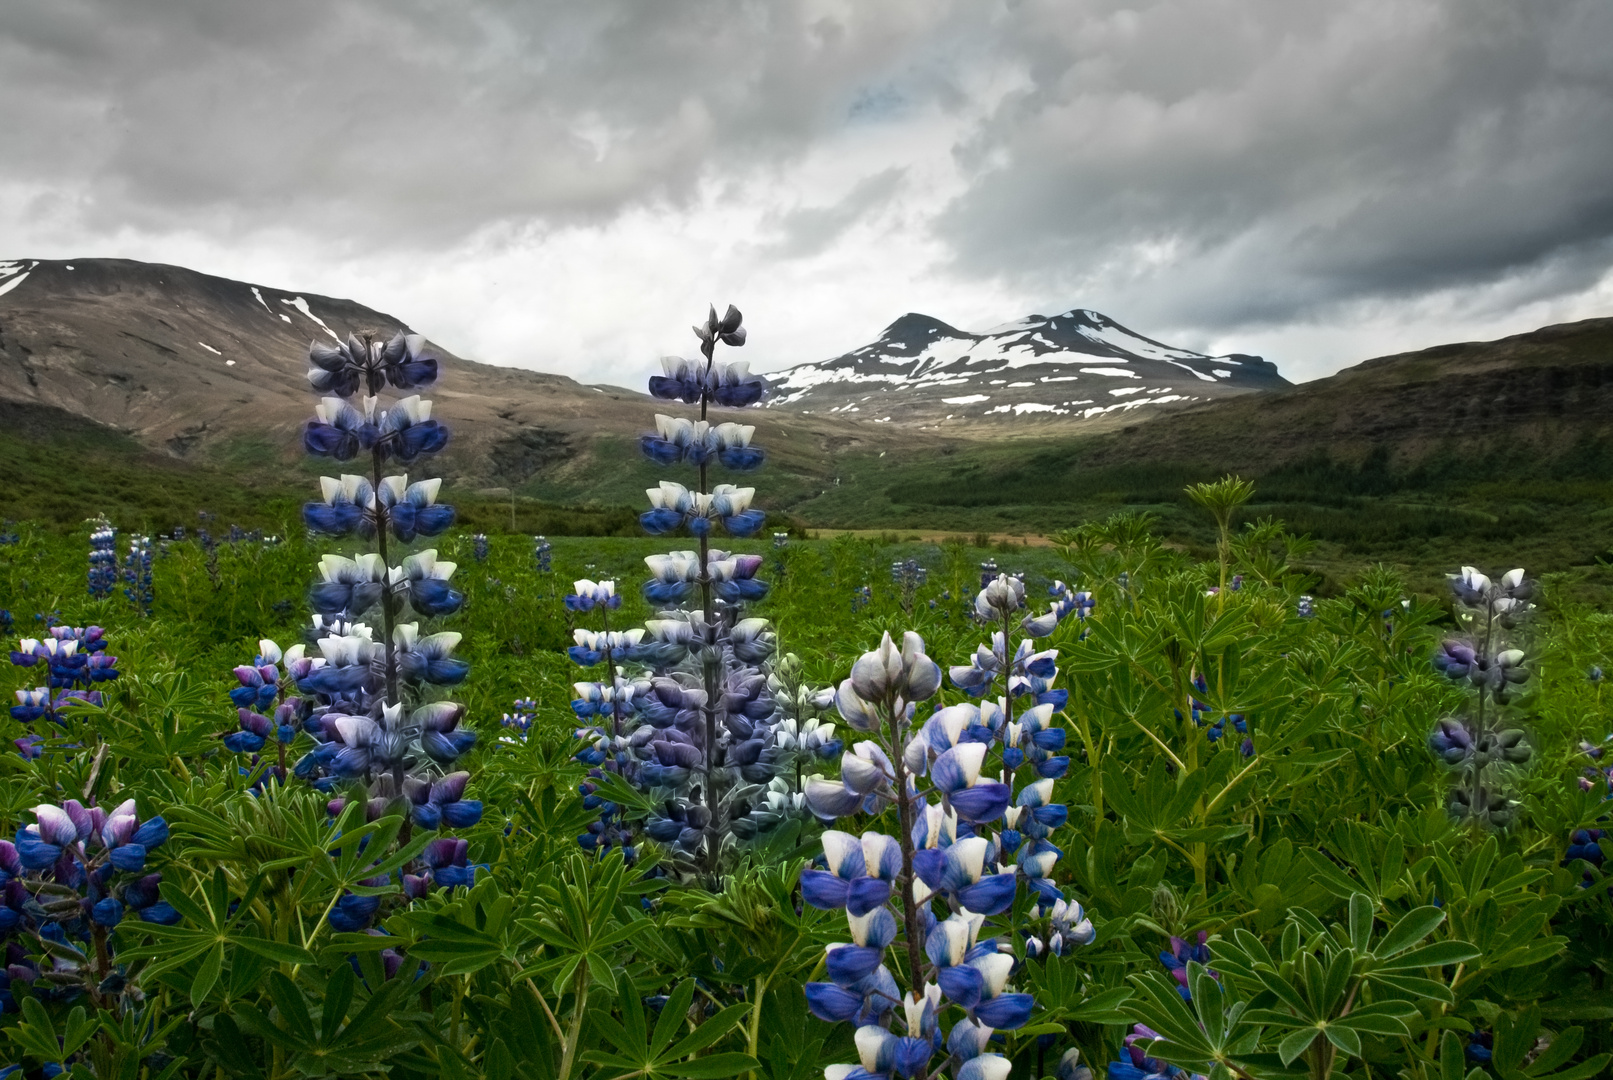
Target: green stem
{"type": "Point", "coordinates": [756, 1019]}
{"type": "Point", "coordinates": [574, 1036]}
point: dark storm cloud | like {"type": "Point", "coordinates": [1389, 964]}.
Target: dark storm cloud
{"type": "Point", "coordinates": [431, 118]}
{"type": "Point", "coordinates": [1227, 162]}
{"type": "Point", "coordinates": [1197, 164]}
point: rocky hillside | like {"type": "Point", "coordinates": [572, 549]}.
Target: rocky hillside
{"type": "Point", "coordinates": [1078, 366]}
{"type": "Point", "coordinates": [212, 370]}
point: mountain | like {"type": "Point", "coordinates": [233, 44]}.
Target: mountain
{"type": "Point", "coordinates": [1078, 366]}
{"type": "Point", "coordinates": [1535, 393]}
{"type": "Point", "coordinates": [212, 370]}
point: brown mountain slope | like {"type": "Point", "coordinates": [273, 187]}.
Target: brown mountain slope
{"type": "Point", "coordinates": [213, 370]}
{"type": "Point", "coordinates": [1542, 388]}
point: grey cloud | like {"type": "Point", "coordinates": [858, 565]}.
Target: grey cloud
{"type": "Point", "coordinates": [1250, 161]}
{"type": "Point", "coordinates": [809, 230]}
{"type": "Point", "coordinates": [374, 118]}
{"type": "Point", "coordinates": [1196, 164]}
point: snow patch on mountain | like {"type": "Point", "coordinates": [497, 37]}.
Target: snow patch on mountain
{"type": "Point", "coordinates": [926, 363]}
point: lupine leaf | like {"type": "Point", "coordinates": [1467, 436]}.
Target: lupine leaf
{"type": "Point", "coordinates": [709, 1032]}
{"type": "Point", "coordinates": [1437, 954]}
{"type": "Point", "coordinates": [207, 975]}
{"type": "Point", "coordinates": [1296, 1043]}
{"type": "Point", "coordinates": [1412, 928]}
{"type": "Point", "coordinates": [1344, 1038]}
{"type": "Point", "coordinates": [717, 1065]}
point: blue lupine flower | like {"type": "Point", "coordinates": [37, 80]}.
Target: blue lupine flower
{"type": "Point", "coordinates": [1585, 844]}
{"type": "Point", "coordinates": [1137, 1065]}
{"type": "Point", "coordinates": [590, 594]}
{"type": "Point", "coordinates": [437, 803]}
{"type": "Point", "coordinates": [348, 503]}
{"type": "Point", "coordinates": [137, 581]}
{"type": "Point", "coordinates": [353, 913]}
{"type": "Point", "coordinates": [346, 367]}
{"type": "Point", "coordinates": [103, 572]}
{"type": "Point", "coordinates": [423, 579]}
{"type": "Point", "coordinates": [860, 873]}
{"type": "Point", "coordinates": [956, 775]}
{"type": "Point", "coordinates": [1180, 955]}
{"type": "Point", "coordinates": [445, 859]}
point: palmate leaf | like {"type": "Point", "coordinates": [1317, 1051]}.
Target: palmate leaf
{"type": "Point", "coordinates": [662, 1056]}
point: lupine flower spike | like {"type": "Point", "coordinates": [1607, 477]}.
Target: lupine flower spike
{"type": "Point", "coordinates": [693, 708]}
{"type": "Point", "coordinates": [1480, 744]}
{"type": "Point", "coordinates": [944, 852]}
{"type": "Point", "coordinates": [364, 699]}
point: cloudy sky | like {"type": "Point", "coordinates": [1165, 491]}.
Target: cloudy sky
{"type": "Point", "coordinates": [564, 185]}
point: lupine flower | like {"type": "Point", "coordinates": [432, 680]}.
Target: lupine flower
{"type": "Point", "coordinates": [64, 881]}
{"type": "Point", "coordinates": [592, 646]}
{"type": "Point", "coordinates": [1180, 955]}
{"type": "Point", "coordinates": [520, 719]}
{"type": "Point", "coordinates": [952, 860]}
{"type": "Point", "coordinates": [103, 573]}
{"type": "Point", "coordinates": [137, 581]}
{"type": "Point", "coordinates": [445, 860]}
{"type": "Point", "coordinates": [345, 367]}
{"type": "Point", "coordinates": [1137, 1065]}
{"type": "Point", "coordinates": [441, 802]}
{"type": "Point", "coordinates": [352, 680]}
{"type": "Point", "coordinates": [543, 554]}
{"type": "Point", "coordinates": [703, 734]}
{"type": "Point", "coordinates": [1068, 928]}
{"type": "Point", "coordinates": [427, 658]}
{"type": "Point", "coordinates": [1585, 844]}
{"type": "Point", "coordinates": [974, 974]}
{"type": "Point", "coordinates": [1476, 742]}
{"type": "Point", "coordinates": [590, 594]}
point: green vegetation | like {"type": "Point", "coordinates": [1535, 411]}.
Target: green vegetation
{"type": "Point", "coordinates": [1335, 817]}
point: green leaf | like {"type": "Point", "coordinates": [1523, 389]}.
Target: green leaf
{"type": "Point", "coordinates": [282, 952]}
{"type": "Point", "coordinates": [1412, 928]}
{"type": "Point", "coordinates": [1451, 1056]}
{"type": "Point", "coordinates": [1584, 1070]}
{"type": "Point", "coordinates": [1296, 1043]}
{"type": "Point", "coordinates": [1337, 978]}
{"type": "Point", "coordinates": [293, 1010]}
{"type": "Point", "coordinates": [710, 1031]}
{"type": "Point", "coordinates": [1438, 954]}
{"type": "Point", "coordinates": [1344, 1038]}
{"type": "Point", "coordinates": [731, 1064]}
{"type": "Point", "coordinates": [338, 997]}
{"type": "Point", "coordinates": [80, 1027]}
{"type": "Point", "coordinates": [600, 970]}
{"type": "Point", "coordinates": [207, 975]}
{"type": "Point", "coordinates": [1360, 921]}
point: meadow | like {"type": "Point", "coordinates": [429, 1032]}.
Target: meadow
{"type": "Point", "coordinates": [1169, 833]}
{"type": "Point", "coordinates": [371, 788]}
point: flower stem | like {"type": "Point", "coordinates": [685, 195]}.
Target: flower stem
{"type": "Point", "coordinates": [904, 840]}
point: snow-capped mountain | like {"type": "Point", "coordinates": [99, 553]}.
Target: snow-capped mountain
{"type": "Point", "coordinates": [1080, 365]}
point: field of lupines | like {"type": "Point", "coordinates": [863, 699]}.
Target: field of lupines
{"type": "Point", "coordinates": [375, 796]}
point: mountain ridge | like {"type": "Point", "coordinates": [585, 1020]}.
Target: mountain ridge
{"type": "Point", "coordinates": [1078, 366]}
